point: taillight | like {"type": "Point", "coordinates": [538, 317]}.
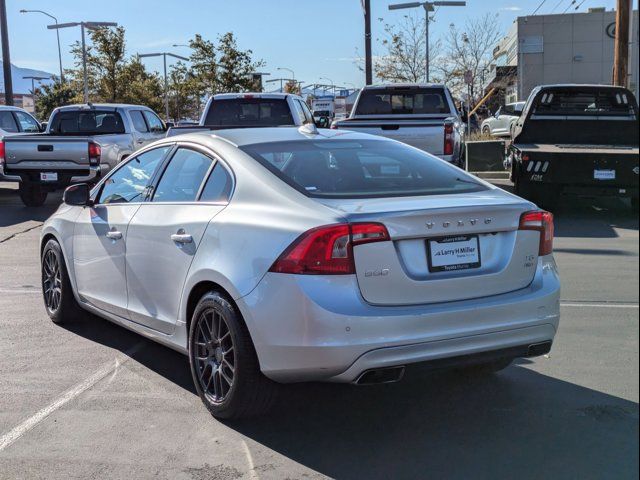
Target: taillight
{"type": "Point", "coordinates": [94, 153]}
{"type": "Point", "coordinates": [525, 157]}
{"type": "Point", "coordinates": [333, 126]}
{"type": "Point", "coordinates": [542, 222]}
{"type": "Point", "coordinates": [1, 152]}
{"type": "Point", "coordinates": [328, 250]}
{"type": "Point", "coordinates": [448, 139]}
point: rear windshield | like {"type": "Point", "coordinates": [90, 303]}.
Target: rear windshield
{"type": "Point", "coordinates": [584, 103]}
{"type": "Point", "coordinates": [398, 101]}
{"type": "Point", "coordinates": [364, 168]}
{"type": "Point", "coordinates": [249, 112]}
{"type": "Point", "coordinates": [93, 122]}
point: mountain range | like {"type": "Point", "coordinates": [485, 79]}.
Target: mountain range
{"type": "Point", "coordinates": [20, 84]}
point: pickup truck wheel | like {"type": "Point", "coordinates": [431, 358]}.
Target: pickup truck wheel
{"type": "Point", "coordinates": [58, 296]}
{"type": "Point", "coordinates": [223, 361]}
{"type": "Point", "coordinates": [32, 195]}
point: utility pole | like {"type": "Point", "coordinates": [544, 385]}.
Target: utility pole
{"type": "Point", "coordinates": [6, 57]}
{"type": "Point", "coordinates": [621, 51]}
{"type": "Point", "coordinates": [83, 26]}
{"type": "Point", "coordinates": [368, 67]}
{"type": "Point", "coordinates": [428, 7]}
{"type": "Point", "coordinates": [166, 81]}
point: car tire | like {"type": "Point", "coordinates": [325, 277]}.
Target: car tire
{"type": "Point", "coordinates": [57, 292]}
{"type": "Point", "coordinates": [486, 130]}
{"type": "Point", "coordinates": [32, 195]}
{"type": "Point", "coordinates": [486, 368]}
{"type": "Point", "coordinates": [223, 361]}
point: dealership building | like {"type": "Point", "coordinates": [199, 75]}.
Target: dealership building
{"type": "Point", "coordinates": [563, 48]}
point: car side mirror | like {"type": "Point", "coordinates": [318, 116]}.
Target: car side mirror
{"type": "Point", "coordinates": [43, 126]}
{"type": "Point", "coordinates": [77, 195]}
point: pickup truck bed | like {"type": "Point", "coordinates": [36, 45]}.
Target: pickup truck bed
{"type": "Point", "coordinates": [577, 140]}
{"type": "Point", "coordinates": [422, 116]}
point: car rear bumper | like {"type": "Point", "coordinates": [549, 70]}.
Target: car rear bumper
{"type": "Point", "coordinates": [307, 327]}
{"type": "Point", "coordinates": [65, 176]}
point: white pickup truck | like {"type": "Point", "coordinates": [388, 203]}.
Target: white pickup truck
{"type": "Point", "coordinates": [423, 116]}
{"type": "Point", "coordinates": [80, 143]}
{"type": "Point", "coordinates": [250, 110]}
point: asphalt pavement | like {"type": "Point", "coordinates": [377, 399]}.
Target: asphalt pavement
{"type": "Point", "coordinates": [93, 400]}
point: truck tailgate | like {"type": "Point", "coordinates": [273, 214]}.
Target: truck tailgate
{"type": "Point", "coordinates": [427, 135]}
{"type": "Point", "coordinates": [582, 165]}
{"type": "Point", "coordinates": [40, 152]}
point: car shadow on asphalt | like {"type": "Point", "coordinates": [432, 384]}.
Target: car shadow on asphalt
{"type": "Point", "coordinates": [13, 212]}
{"type": "Point", "coordinates": [514, 424]}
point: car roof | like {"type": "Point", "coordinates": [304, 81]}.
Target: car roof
{"type": "Point", "coordinates": [248, 136]}
{"type": "Point", "coordinates": [102, 106]}
{"type": "Point", "coordinates": [12, 108]}
{"type": "Point", "coordinates": [404, 85]}
{"type": "Point", "coordinates": [273, 96]}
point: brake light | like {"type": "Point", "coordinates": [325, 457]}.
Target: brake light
{"type": "Point", "coordinates": [525, 157]}
{"type": "Point", "coordinates": [542, 222]}
{"type": "Point", "coordinates": [448, 139]}
{"type": "Point", "coordinates": [1, 152]}
{"type": "Point", "coordinates": [94, 153]}
{"type": "Point", "coordinates": [328, 250]}
{"type": "Point", "coordinates": [333, 126]}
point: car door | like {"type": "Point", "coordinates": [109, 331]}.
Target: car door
{"type": "Point", "coordinates": [156, 127]}
{"type": "Point", "coordinates": [164, 234]}
{"type": "Point", "coordinates": [504, 119]}
{"type": "Point", "coordinates": [141, 134]}
{"type": "Point", "coordinates": [101, 230]}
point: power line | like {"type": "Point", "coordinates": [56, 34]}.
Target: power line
{"type": "Point", "coordinates": [569, 6]}
{"type": "Point", "coordinates": [580, 4]}
{"type": "Point", "coordinates": [557, 5]}
{"type": "Point", "coordinates": [541, 4]}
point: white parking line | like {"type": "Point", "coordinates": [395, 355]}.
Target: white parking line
{"type": "Point", "coordinates": [15, 433]}
{"type": "Point", "coordinates": [599, 305]}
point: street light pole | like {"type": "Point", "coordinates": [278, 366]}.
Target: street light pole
{"type": "Point", "coordinates": [333, 86]}
{"type": "Point", "coordinates": [166, 83]}
{"type": "Point", "coordinates": [428, 7]}
{"type": "Point", "coordinates": [33, 79]}
{"type": "Point", "coordinates": [83, 26]}
{"type": "Point", "coordinates": [57, 35]}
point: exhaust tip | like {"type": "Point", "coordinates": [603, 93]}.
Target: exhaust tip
{"type": "Point", "coordinates": [538, 349]}
{"type": "Point", "coordinates": [380, 375]}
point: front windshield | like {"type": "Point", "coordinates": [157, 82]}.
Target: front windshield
{"type": "Point", "coordinates": [342, 168]}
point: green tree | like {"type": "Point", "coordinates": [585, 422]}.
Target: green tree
{"type": "Point", "coordinates": [292, 87]}
{"type": "Point", "coordinates": [235, 66]}
{"type": "Point", "coordinates": [53, 95]}
{"type": "Point", "coordinates": [204, 65]}
{"type": "Point", "coordinates": [140, 86]}
{"type": "Point", "coordinates": [183, 92]}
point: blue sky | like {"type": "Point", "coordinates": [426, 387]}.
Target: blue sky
{"type": "Point", "coordinates": [314, 38]}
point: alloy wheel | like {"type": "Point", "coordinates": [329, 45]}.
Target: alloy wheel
{"type": "Point", "coordinates": [52, 280]}
{"type": "Point", "coordinates": [214, 355]}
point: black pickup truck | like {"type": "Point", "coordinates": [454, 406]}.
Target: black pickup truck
{"type": "Point", "coordinates": [576, 139]}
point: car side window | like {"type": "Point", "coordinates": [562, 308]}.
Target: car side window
{"type": "Point", "coordinates": [129, 182]}
{"type": "Point", "coordinates": [7, 122]}
{"type": "Point", "coordinates": [155, 124]}
{"type": "Point", "coordinates": [307, 113]}
{"type": "Point", "coordinates": [183, 177]}
{"type": "Point", "coordinates": [218, 186]}
{"type": "Point", "coordinates": [138, 121]}
{"type": "Point", "coordinates": [299, 110]}
{"type": "Point", "coordinates": [27, 122]}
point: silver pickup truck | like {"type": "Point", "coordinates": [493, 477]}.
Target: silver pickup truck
{"type": "Point", "coordinates": [80, 144]}
{"type": "Point", "coordinates": [423, 116]}
{"type": "Point", "coordinates": [249, 110]}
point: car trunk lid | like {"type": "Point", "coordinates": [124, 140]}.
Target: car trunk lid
{"type": "Point", "coordinates": [475, 237]}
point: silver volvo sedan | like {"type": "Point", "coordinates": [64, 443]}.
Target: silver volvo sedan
{"type": "Point", "coordinates": [281, 255]}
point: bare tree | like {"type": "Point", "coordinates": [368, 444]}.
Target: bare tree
{"type": "Point", "coordinates": [469, 49]}
{"type": "Point", "coordinates": [403, 44]}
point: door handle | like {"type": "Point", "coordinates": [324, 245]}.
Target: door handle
{"type": "Point", "coordinates": [182, 237]}
{"type": "Point", "coordinates": [114, 235]}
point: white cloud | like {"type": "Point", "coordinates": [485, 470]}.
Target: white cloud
{"type": "Point", "coordinates": [511, 9]}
